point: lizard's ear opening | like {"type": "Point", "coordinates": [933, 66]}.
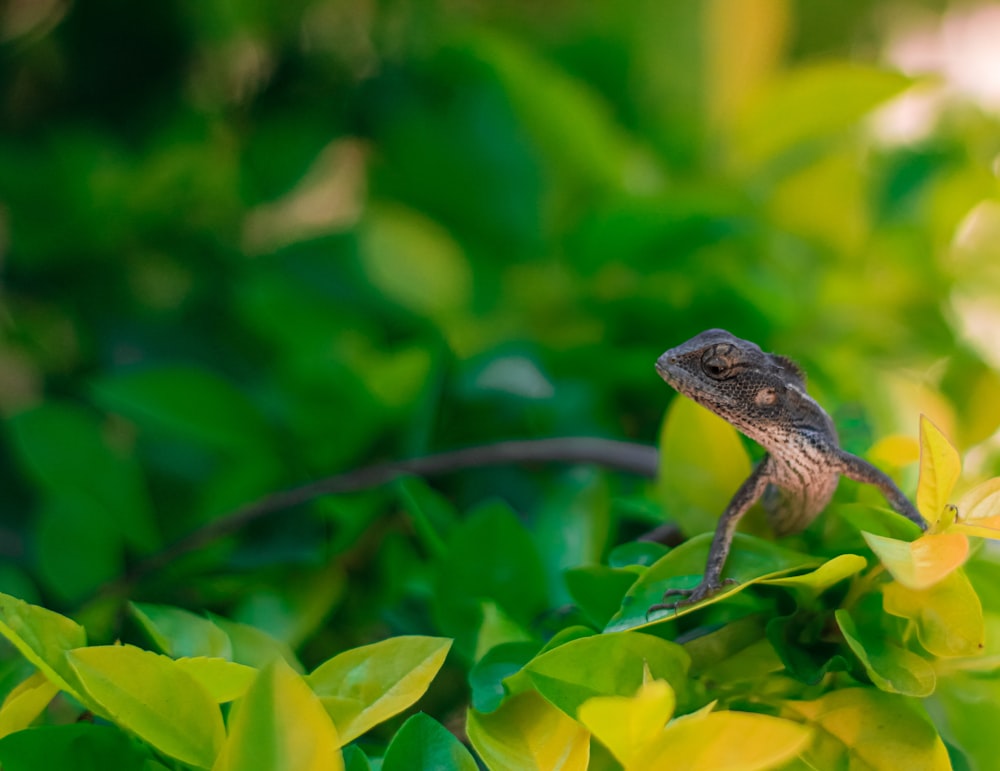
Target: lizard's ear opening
{"type": "Point", "coordinates": [787, 364]}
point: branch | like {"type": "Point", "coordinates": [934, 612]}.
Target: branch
{"type": "Point", "coordinates": [637, 459]}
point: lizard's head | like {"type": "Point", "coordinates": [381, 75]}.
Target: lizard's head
{"type": "Point", "coordinates": [738, 381]}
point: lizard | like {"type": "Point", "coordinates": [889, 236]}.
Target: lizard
{"type": "Point", "coordinates": [763, 395]}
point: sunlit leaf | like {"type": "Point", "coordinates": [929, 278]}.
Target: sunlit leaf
{"type": "Point", "coordinates": [896, 450]}
{"type": "Point", "coordinates": [979, 510]}
{"type": "Point", "coordinates": [750, 560]}
{"type": "Point", "coordinates": [364, 686]}
{"type": "Point", "coordinates": [724, 741]}
{"type": "Point", "coordinates": [280, 725]}
{"type": "Point", "coordinates": [529, 734]}
{"type": "Point", "coordinates": [222, 680]}
{"type": "Point", "coordinates": [940, 466]}
{"type": "Point", "coordinates": [809, 104]}
{"type": "Point", "coordinates": [422, 742]}
{"type": "Point", "coordinates": [414, 261]}
{"type": "Point", "coordinates": [866, 728]}
{"type": "Point", "coordinates": [626, 724]}
{"type": "Point", "coordinates": [43, 637]}
{"type": "Point", "coordinates": [948, 615]}
{"type": "Point", "coordinates": [702, 463]}
{"type": "Point", "coordinates": [921, 563]}
{"type": "Point", "coordinates": [154, 698]}
{"type": "Point", "coordinates": [892, 668]}
{"type": "Point", "coordinates": [178, 632]}
{"type": "Point", "coordinates": [822, 578]}
{"type": "Point", "coordinates": [25, 703]}
{"type": "Point", "coordinates": [567, 677]}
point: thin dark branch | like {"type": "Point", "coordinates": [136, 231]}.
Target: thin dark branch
{"type": "Point", "coordinates": [632, 458]}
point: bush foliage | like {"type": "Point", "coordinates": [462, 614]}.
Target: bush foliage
{"type": "Point", "coordinates": [248, 247]}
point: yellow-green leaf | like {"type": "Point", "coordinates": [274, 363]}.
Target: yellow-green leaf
{"type": "Point", "coordinates": [43, 637]}
{"type": "Point", "coordinates": [979, 510]}
{"type": "Point", "coordinates": [153, 697]}
{"type": "Point", "coordinates": [529, 734]}
{"type": "Point", "coordinates": [864, 728]}
{"type": "Point", "coordinates": [702, 463]}
{"type": "Point", "coordinates": [822, 578]}
{"type": "Point", "coordinates": [948, 615]}
{"type": "Point", "coordinates": [364, 686]}
{"type": "Point", "coordinates": [940, 467]}
{"type": "Point", "coordinates": [723, 741]}
{"type": "Point", "coordinates": [224, 680]}
{"type": "Point", "coordinates": [626, 724]}
{"type": "Point", "coordinates": [896, 450]}
{"type": "Point", "coordinates": [921, 563]}
{"type": "Point", "coordinates": [26, 702]}
{"type": "Point", "coordinates": [280, 725]}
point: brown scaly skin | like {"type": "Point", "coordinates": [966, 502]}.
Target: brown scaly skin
{"type": "Point", "coordinates": [763, 395]}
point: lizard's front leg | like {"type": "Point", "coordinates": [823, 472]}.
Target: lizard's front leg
{"type": "Point", "coordinates": [853, 467]}
{"type": "Point", "coordinates": [748, 493]}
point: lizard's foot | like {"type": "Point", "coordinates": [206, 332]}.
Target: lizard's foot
{"type": "Point", "coordinates": [702, 591]}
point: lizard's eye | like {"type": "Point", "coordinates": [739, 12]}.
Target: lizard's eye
{"type": "Point", "coordinates": [715, 367]}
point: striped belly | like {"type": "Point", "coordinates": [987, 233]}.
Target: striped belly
{"type": "Point", "coordinates": [802, 485]}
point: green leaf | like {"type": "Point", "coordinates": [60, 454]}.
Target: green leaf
{"type": "Point", "coordinates": [80, 747]}
{"type": "Point", "coordinates": [253, 646]}
{"type": "Point", "coordinates": [280, 725]}
{"type": "Point", "coordinates": [968, 712]}
{"type": "Point", "coordinates": [191, 404]}
{"type": "Point", "coordinates": [736, 652]}
{"type": "Point", "coordinates": [222, 680]}
{"type": "Point", "coordinates": [598, 590]}
{"type": "Point", "coordinates": [422, 742]}
{"type": "Point", "coordinates": [364, 686]}
{"type": "Point", "coordinates": [179, 632]}
{"type": "Point", "coordinates": [43, 637]}
{"type": "Point", "coordinates": [750, 560]}
{"type": "Point", "coordinates": [568, 675]}
{"type": "Point", "coordinates": [490, 557]}
{"type": "Point", "coordinates": [25, 703]}
{"type": "Point", "coordinates": [487, 674]}
{"type": "Point", "coordinates": [702, 464]}
{"type": "Point", "coordinates": [529, 734]}
{"type": "Point", "coordinates": [79, 549]}
{"type": "Point", "coordinates": [892, 669]}
{"type": "Point", "coordinates": [800, 640]}
{"type": "Point", "coordinates": [866, 728]}
{"type": "Point", "coordinates": [636, 553]}
{"type": "Point", "coordinates": [154, 698]}
{"type": "Point", "coordinates": [948, 616]}
{"type": "Point", "coordinates": [66, 451]}
{"type": "Point", "coordinates": [878, 520]}
{"type": "Point", "coordinates": [355, 759]}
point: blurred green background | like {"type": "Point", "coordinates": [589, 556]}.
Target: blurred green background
{"type": "Point", "coordinates": [246, 245]}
